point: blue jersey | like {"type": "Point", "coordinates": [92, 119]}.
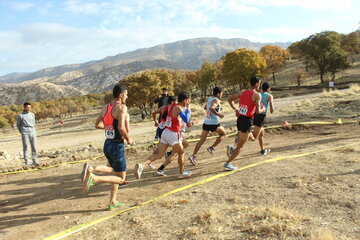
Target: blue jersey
{"type": "Point", "coordinates": [211, 119]}
{"type": "Point", "coordinates": [264, 101]}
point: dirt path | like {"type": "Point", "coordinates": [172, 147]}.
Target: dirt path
{"type": "Point", "coordinates": [38, 204]}
{"type": "Point", "coordinates": [75, 136]}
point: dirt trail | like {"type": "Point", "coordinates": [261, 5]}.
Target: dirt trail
{"type": "Point", "coordinates": [80, 136]}
{"type": "Point", "coordinates": [38, 204]}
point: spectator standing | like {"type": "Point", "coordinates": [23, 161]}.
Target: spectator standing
{"type": "Point", "coordinates": [25, 123]}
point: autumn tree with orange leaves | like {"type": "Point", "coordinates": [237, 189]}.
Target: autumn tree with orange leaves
{"type": "Point", "coordinates": [275, 57]}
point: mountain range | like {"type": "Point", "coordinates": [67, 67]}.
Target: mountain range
{"type": "Point", "coordinates": [100, 75]}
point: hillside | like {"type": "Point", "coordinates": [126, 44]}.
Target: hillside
{"type": "Point", "coordinates": [20, 93]}
{"type": "Point", "coordinates": [187, 53]}
{"type": "Point", "coordinates": [100, 75]}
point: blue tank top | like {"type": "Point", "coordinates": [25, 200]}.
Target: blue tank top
{"type": "Point", "coordinates": [211, 119]}
{"type": "Point", "coordinates": [264, 101]}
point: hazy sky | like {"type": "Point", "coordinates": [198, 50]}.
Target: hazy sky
{"type": "Point", "coordinates": [37, 34]}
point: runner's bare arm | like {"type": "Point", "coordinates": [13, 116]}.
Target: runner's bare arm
{"type": "Point", "coordinates": [154, 113]}
{"type": "Point", "coordinates": [127, 123]}
{"type": "Point", "coordinates": [257, 101]}
{"type": "Point", "coordinates": [233, 98]}
{"type": "Point", "coordinates": [271, 103]}
{"type": "Point", "coordinates": [231, 102]}
{"type": "Point", "coordinates": [121, 123]}
{"type": "Point", "coordinates": [213, 105]}
{"type": "Point", "coordinates": [99, 124]}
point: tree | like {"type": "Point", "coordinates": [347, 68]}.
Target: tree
{"type": "Point", "coordinates": [240, 65]}
{"type": "Point", "coordinates": [322, 48]}
{"type": "Point", "coordinates": [275, 57]}
{"type": "Point", "coordinates": [337, 61]}
{"type": "Point", "coordinates": [145, 86]}
{"type": "Point", "coordinates": [299, 74]}
{"type": "Point", "coordinates": [351, 44]}
{"type": "Point", "coordinates": [298, 50]}
{"type": "Point", "coordinates": [207, 77]}
{"type": "Point", "coordinates": [3, 123]}
{"type": "Point", "coordinates": [182, 82]}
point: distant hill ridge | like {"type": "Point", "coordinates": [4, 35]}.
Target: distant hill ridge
{"type": "Point", "coordinates": [99, 75]}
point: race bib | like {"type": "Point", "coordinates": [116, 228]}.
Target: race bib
{"type": "Point", "coordinates": [168, 122]}
{"type": "Point", "coordinates": [109, 132]}
{"type": "Point", "coordinates": [243, 110]}
{"type": "Point", "coordinates": [161, 125]}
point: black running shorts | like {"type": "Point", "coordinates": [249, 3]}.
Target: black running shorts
{"type": "Point", "coordinates": [259, 120]}
{"type": "Point", "coordinates": [244, 124]}
{"type": "Point", "coordinates": [211, 128]}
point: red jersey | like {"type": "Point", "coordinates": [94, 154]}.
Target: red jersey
{"type": "Point", "coordinates": [246, 104]}
{"type": "Point", "coordinates": [111, 124]}
{"type": "Point", "coordinates": [171, 123]}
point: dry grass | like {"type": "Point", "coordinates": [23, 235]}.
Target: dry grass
{"type": "Point", "coordinates": [325, 234]}
{"type": "Point", "coordinates": [245, 222]}
{"type": "Point", "coordinates": [332, 104]}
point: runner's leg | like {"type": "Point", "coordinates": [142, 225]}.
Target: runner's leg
{"type": "Point", "coordinates": [203, 137]}
{"type": "Point", "coordinates": [179, 149]}
{"type": "Point", "coordinates": [222, 134]}
{"type": "Point", "coordinates": [239, 146]}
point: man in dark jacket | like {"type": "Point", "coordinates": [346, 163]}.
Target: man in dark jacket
{"type": "Point", "coordinates": [161, 100]}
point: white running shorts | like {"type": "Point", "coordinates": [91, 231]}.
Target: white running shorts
{"type": "Point", "coordinates": [170, 138]}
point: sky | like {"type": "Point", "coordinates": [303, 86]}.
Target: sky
{"type": "Point", "coordinates": [38, 34]}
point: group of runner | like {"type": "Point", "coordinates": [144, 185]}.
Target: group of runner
{"type": "Point", "coordinates": [171, 125]}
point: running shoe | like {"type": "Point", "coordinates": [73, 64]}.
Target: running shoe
{"type": "Point", "coordinates": [36, 163]}
{"type": "Point", "coordinates": [229, 167]}
{"type": "Point", "coordinates": [117, 205]}
{"type": "Point", "coordinates": [230, 149]}
{"type": "Point", "coordinates": [124, 184]}
{"type": "Point", "coordinates": [211, 150]}
{"type": "Point", "coordinates": [161, 172]}
{"type": "Point", "coordinates": [192, 159]}
{"type": "Point", "coordinates": [84, 171]}
{"type": "Point", "coordinates": [138, 170]}
{"type": "Point", "coordinates": [89, 181]}
{"type": "Point", "coordinates": [150, 166]}
{"type": "Point", "coordinates": [185, 174]}
{"type": "Point", "coordinates": [265, 151]}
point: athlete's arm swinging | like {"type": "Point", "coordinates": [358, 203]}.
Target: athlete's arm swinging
{"type": "Point", "coordinates": [99, 124]}
{"type": "Point", "coordinates": [271, 103]}
{"type": "Point", "coordinates": [121, 123]}
{"type": "Point", "coordinates": [231, 102]}
{"type": "Point", "coordinates": [154, 113]}
{"type": "Point", "coordinates": [213, 105]}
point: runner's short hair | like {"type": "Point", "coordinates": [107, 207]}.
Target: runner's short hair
{"type": "Point", "coordinates": [26, 104]}
{"type": "Point", "coordinates": [118, 89]}
{"type": "Point", "coordinates": [265, 86]}
{"type": "Point", "coordinates": [182, 96]}
{"type": "Point", "coordinates": [217, 90]}
{"type": "Point", "coordinates": [171, 99]}
{"type": "Point", "coordinates": [254, 80]}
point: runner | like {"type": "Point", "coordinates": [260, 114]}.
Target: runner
{"type": "Point", "coordinates": [211, 124]}
{"type": "Point", "coordinates": [249, 103]}
{"type": "Point", "coordinates": [259, 119]}
{"type": "Point", "coordinates": [114, 120]}
{"type": "Point", "coordinates": [169, 156]}
{"type": "Point", "coordinates": [163, 111]}
{"type": "Point", "coordinates": [171, 135]}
